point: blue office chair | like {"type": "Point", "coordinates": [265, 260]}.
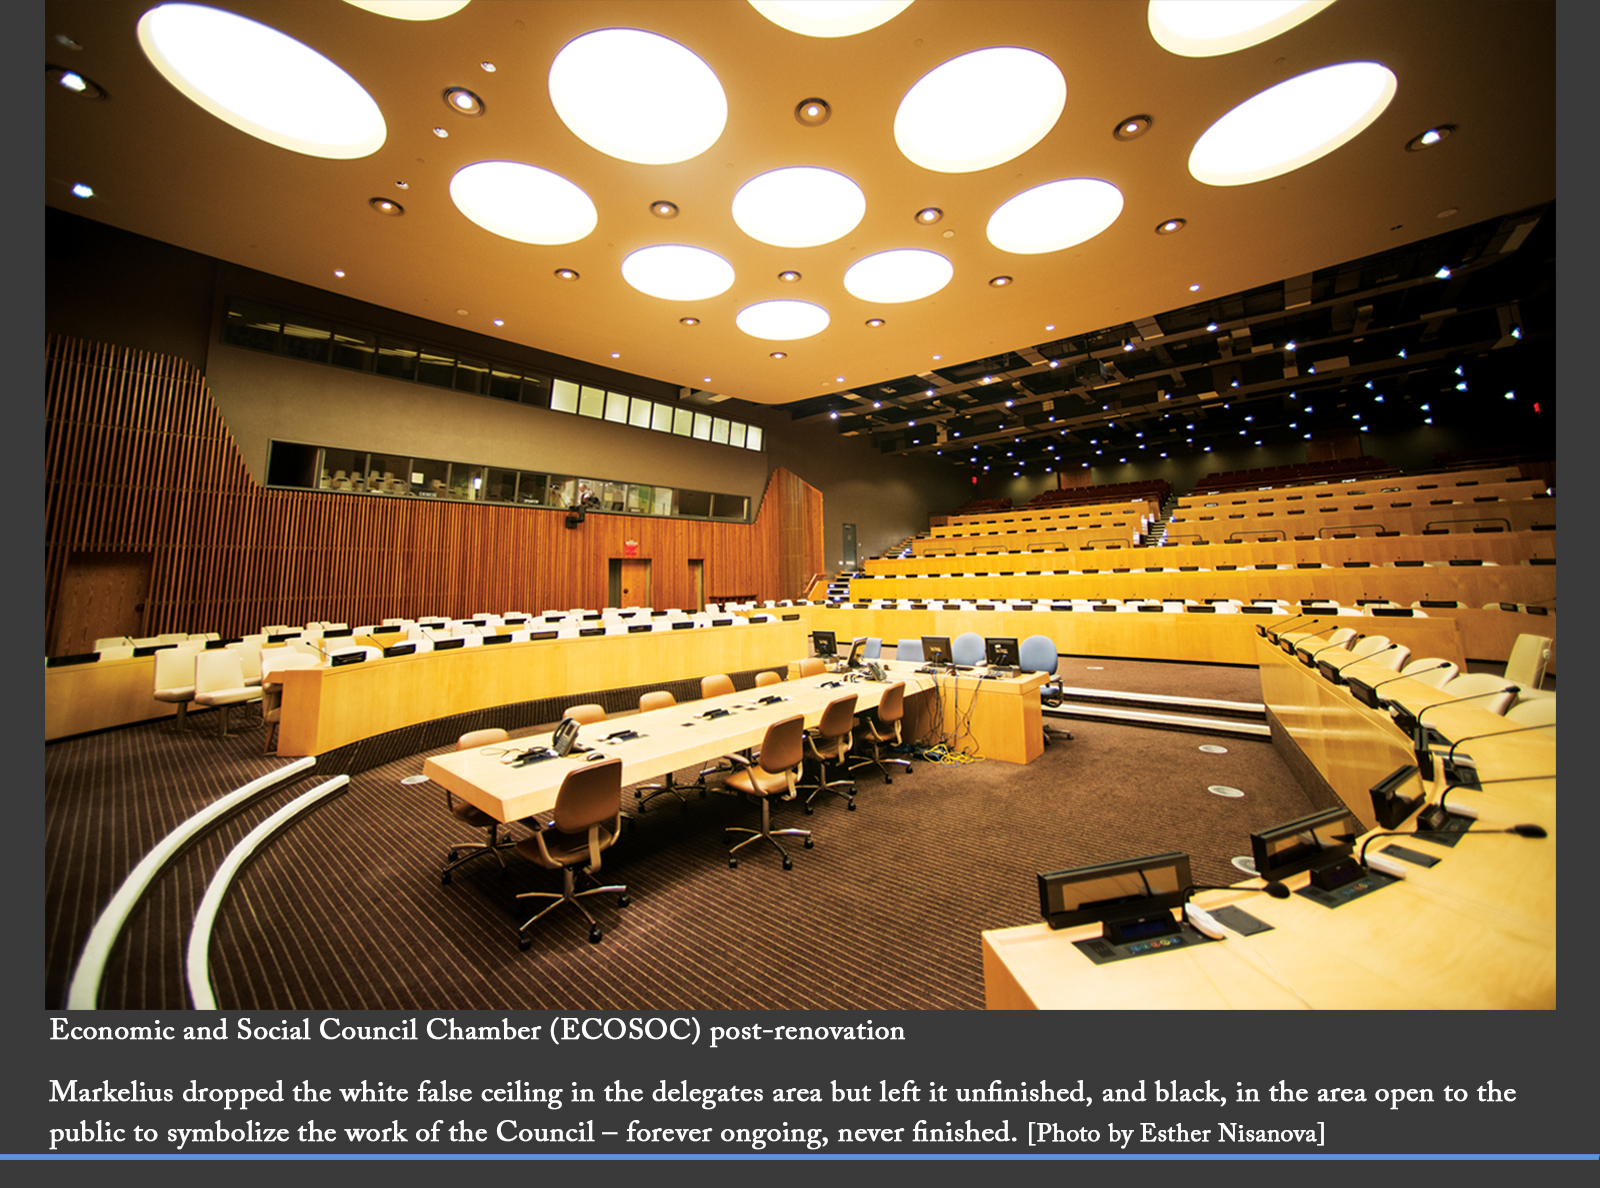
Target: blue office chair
{"type": "Point", "coordinates": [1038, 654]}
{"type": "Point", "coordinates": [967, 649]}
{"type": "Point", "coordinates": [873, 649]}
{"type": "Point", "coordinates": [909, 649]}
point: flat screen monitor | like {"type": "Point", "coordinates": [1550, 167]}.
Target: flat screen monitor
{"type": "Point", "coordinates": [496, 639]}
{"type": "Point", "coordinates": [592, 615]}
{"type": "Point", "coordinates": [151, 649]}
{"type": "Point", "coordinates": [722, 622]}
{"type": "Point", "coordinates": [283, 638]}
{"type": "Point", "coordinates": [936, 649]}
{"type": "Point", "coordinates": [1000, 651]}
{"type": "Point", "coordinates": [1318, 839]}
{"type": "Point", "coordinates": [824, 643]}
{"type": "Point", "coordinates": [543, 635]}
{"type": "Point", "coordinates": [340, 659]}
{"type": "Point", "coordinates": [591, 630]}
{"type": "Point", "coordinates": [445, 645]}
{"type": "Point", "coordinates": [856, 645]}
{"type": "Point", "coordinates": [400, 649]}
{"type": "Point", "coordinates": [338, 632]}
{"type": "Point", "coordinates": [1115, 892]}
{"type": "Point", "coordinates": [682, 624]}
{"type": "Point", "coordinates": [790, 618]}
{"type": "Point", "coordinates": [75, 658]}
{"type": "Point", "coordinates": [635, 628]}
{"type": "Point", "coordinates": [1388, 805]}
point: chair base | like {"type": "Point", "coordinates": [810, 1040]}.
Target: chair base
{"type": "Point", "coordinates": [843, 788]}
{"type": "Point", "coordinates": [568, 895]}
{"type": "Point", "coordinates": [648, 792]}
{"type": "Point", "coordinates": [466, 853]}
{"type": "Point", "coordinates": [883, 764]}
{"type": "Point", "coordinates": [766, 831]}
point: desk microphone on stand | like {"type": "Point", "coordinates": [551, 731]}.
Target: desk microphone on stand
{"type": "Point", "coordinates": [1367, 694]}
{"type": "Point", "coordinates": [1419, 736]}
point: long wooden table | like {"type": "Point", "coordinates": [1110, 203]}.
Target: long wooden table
{"type": "Point", "coordinates": [1477, 930]}
{"type": "Point", "coordinates": [670, 739]}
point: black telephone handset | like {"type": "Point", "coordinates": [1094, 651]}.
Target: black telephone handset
{"type": "Point", "coordinates": [566, 734]}
{"type": "Point", "coordinates": [875, 671]}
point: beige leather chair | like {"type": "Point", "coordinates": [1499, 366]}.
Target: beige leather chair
{"type": "Point", "coordinates": [274, 661]}
{"type": "Point", "coordinates": [585, 715]}
{"type": "Point", "coordinates": [1529, 656]}
{"type": "Point", "coordinates": [716, 685]}
{"type": "Point", "coordinates": [175, 679]}
{"type": "Point", "coordinates": [763, 679]}
{"type": "Point", "coordinates": [469, 814]}
{"type": "Point", "coordinates": [645, 793]}
{"type": "Point", "coordinates": [830, 743]}
{"type": "Point", "coordinates": [881, 730]}
{"type": "Point", "coordinates": [587, 821]}
{"type": "Point", "coordinates": [813, 666]}
{"type": "Point", "coordinates": [219, 683]}
{"type": "Point", "coordinates": [771, 775]}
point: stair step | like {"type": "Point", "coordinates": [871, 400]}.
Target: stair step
{"type": "Point", "coordinates": [1160, 720]}
{"type": "Point", "coordinates": [1165, 704]}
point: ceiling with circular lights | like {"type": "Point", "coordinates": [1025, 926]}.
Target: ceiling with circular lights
{"type": "Point", "coordinates": [883, 188]}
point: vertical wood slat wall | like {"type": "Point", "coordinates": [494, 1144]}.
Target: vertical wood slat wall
{"type": "Point", "coordinates": [138, 459]}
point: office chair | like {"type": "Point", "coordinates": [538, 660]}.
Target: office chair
{"type": "Point", "coordinates": [830, 742]}
{"type": "Point", "coordinates": [909, 650]}
{"type": "Point", "coordinates": [1533, 711]}
{"type": "Point", "coordinates": [763, 679]}
{"type": "Point", "coordinates": [967, 649]}
{"type": "Point", "coordinates": [716, 685]}
{"type": "Point", "coordinates": [872, 649]}
{"type": "Point", "coordinates": [881, 730]}
{"type": "Point", "coordinates": [772, 774]}
{"type": "Point", "coordinates": [219, 682]}
{"type": "Point", "coordinates": [1472, 684]}
{"type": "Point", "coordinates": [1431, 670]}
{"type": "Point", "coordinates": [645, 793]}
{"type": "Point", "coordinates": [588, 819]}
{"type": "Point", "coordinates": [586, 715]}
{"type": "Point", "coordinates": [1529, 655]}
{"type": "Point", "coordinates": [813, 666]}
{"type": "Point", "coordinates": [469, 814]}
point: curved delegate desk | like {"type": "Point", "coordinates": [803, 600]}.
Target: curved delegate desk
{"type": "Point", "coordinates": [1476, 930]}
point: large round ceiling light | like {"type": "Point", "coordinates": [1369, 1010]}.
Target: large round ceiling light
{"type": "Point", "coordinates": [782, 320]}
{"type": "Point", "coordinates": [905, 274]}
{"type": "Point", "coordinates": [1055, 215]}
{"type": "Point", "coordinates": [1206, 28]}
{"type": "Point", "coordinates": [1292, 124]}
{"type": "Point", "coordinates": [523, 202]}
{"type": "Point", "coordinates": [261, 81]}
{"type": "Point", "coordinates": [829, 18]}
{"type": "Point", "coordinates": [637, 96]}
{"type": "Point", "coordinates": [676, 272]}
{"type": "Point", "coordinates": [411, 10]}
{"type": "Point", "coordinates": [797, 207]}
{"type": "Point", "coordinates": [980, 109]}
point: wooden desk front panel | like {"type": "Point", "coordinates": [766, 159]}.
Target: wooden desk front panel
{"type": "Point", "coordinates": [84, 697]}
{"type": "Point", "coordinates": [995, 719]}
{"type": "Point", "coordinates": [325, 708]}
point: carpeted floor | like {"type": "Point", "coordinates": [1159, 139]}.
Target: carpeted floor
{"type": "Point", "coordinates": [346, 910]}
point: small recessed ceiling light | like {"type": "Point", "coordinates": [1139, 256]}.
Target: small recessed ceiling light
{"type": "Point", "coordinates": [1211, 326]}
{"type": "Point", "coordinates": [874, 322]}
{"type": "Point", "coordinates": [1171, 225]}
{"type": "Point", "coordinates": [566, 274]}
{"type": "Point", "coordinates": [689, 321]}
{"type": "Point", "coordinates": [72, 81]}
{"type": "Point", "coordinates": [339, 272]}
{"type": "Point", "coordinates": [488, 67]}
{"type": "Point", "coordinates": [1443, 273]}
{"type": "Point", "coordinates": [779, 355]}
{"type": "Point", "coordinates": [999, 282]}
{"type": "Point", "coordinates": [1128, 346]}
{"type": "Point", "coordinates": [936, 358]}
{"type": "Point", "coordinates": [616, 354]}
{"type": "Point", "coordinates": [705, 379]}
{"type": "Point", "coordinates": [1429, 138]}
{"type": "Point", "coordinates": [1289, 346]}
{"type": "Point", "coordinates": [402, 185]}
{"type": "Point", "coordinates": [441, 133]}
{"type": "Point", "coordinates": [1516, 332]}
{"type": "Point", "coordinates": [910, 422]}
{"type": "Point", "coordinates": [63, 39]}
{"type": "Point", "coordinates": [1402, 352]}
{"type": "Point", "coordinates": [386, 206]}
{"type": "Point", "coordinates": [813, 113]}
{"type": "Point", "coordinates": [462, 101]}
{"type": "Point", "coordinates": [1194, 288]}
{"type": "Point", "coordinates": [1132, 128]}
{"type": "Point", "coordinates": [833, 416]}
{"type": "Point", "coordinates": [789, 276]}
{"type": "Point", "coordinates": [499, 321]}
{"type": "Point", "coordinates": [79, 190]}
{"type": "Point", "coordinates": [929, 215]}
{"type": "Point", "coordinates": [1425, 421]}
{"type": "Point", "coordinates": [461, 313]}
{"type": "Point", "coordinates": [664, 210]}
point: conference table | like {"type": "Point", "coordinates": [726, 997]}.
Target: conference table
{"type": "Point", "coordinates": [1475, 930]}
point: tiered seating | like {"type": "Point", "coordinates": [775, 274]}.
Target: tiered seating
{"type": "Point", "coordinates": [1156, 491]}
{"type": "Point", "coordinates": [1305, 472]}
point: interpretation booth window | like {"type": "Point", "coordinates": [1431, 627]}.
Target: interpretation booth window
{"type": "Point", "coordinates": [326, 468]}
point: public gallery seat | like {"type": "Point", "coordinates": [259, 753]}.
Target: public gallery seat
{"type": "Point", "coordinates": [219, 683]}
{"type": "Point", "coordinates": [471, 815]}
{"type": "Point", "coordinates": [587, 821]}
{"type": "Point", "coordinates": [772, 774]}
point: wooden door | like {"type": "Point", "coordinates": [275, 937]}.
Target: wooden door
{"type": "Point", "coordinates": [102, 594]}
{"type": "Point", "coordinates": [635, 582]}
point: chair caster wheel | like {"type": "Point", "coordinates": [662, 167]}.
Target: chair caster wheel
{"type": "Point", "coordinates": [788, 864]}
{"type": "Point", "coordinates": [808, 843]}
{"type": "Point", "coordinates": [524, 942]}
{"type": "Point", "coordinates": [810, 810]}
{"type": "Point", "coordinates": [623, 901]}
{"type": "Point", "coordinates": [451, 857]}
{"type": "Point", "coordinates": [444, 879]}
{"type": "Point", "coordinates": [732, 863]}
{"type": "Point", "coordinates": [888, 779]}
{"type": "Point", "coordinates": [851, 806]}
{"type": "Point", "coordinates": [505, 871]}
{"type": "Point", "coordinates": [594, 935]}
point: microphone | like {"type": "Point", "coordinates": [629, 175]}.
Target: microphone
{"type": "Point", "coordinates": [1336, 675]}
{"type": "Point", "coordinates": [1437, 816]}
{"type": "Point", "coordinates": [1288, 644]}
{"type": "Point", "coordinates": [1419, 739]}
{"type": "Point", "coordinates": [1271, 632]}
{"type": "Point", "coordinates": [1370, 697]}
{"type": "Point", "coordinates": [1202, 920]}
{"type": "Point", "coordinates": [1450, 768]}
{"type": "Point", "coordinates": [1309, 659]}
{"type": "Point", "coordinates": [1532, 831]}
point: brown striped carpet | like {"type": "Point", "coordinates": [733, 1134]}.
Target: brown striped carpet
{"type": "Point", "coordinates": [345, 909]}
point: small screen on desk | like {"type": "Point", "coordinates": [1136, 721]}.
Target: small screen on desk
{"type": "Point", "coordinates": [1113, 891]}
{"type": "Point", "coordinates": [824, 643]}
{"type": "Point", "coordinates": [1305, 842]}
{"type": "Point", "coordinates": [1000, 651]}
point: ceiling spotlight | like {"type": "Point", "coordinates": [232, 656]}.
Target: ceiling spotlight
{"type": "Point", "coordinates": [386, 206]}
{"type": "Point", "coordinates": [63, 39]}
{"type": "Point", "coordinates": [1194, 288]}
{"type": "Point", "coordinates": [1171, 225]}
{"type": "Point", "coordinates": [789, 276]}
{"type": "Point", "coordinates": [1289, 346]}
{"type": "Point", "coordinates": [499, 321]}
{"type": "Point", "coordinates": [1211, 326]}
{"type": "Point", "coordinates": [999, 282]}
{"type": "Point", "coordinates": [1444, 272]}
{"type": "Point", "coordinates": [779, 355]}
{"type": "Point", "coordinates": [689, 321]}
{"type": "Point", "coordinates": [664, 210]}
{"type": "Point", "coordinates": [402, 185]}
{"type": "Point", "coordinates": [339, 272]}
{"type": "Point", "coordinates": [874, 322]}
{"type": "Point", "coordinates": [1128, 345]}
{"type": "Point", "coordinates": [1516, 332]}
{"type": "Point", "coordinates": [929, 215]}
{"type": "Point", "coordinates": [72, 81]}
{"type": "Point", "coordinates": [488, 67]}
{"type": "Point", "coordinates": [79, 190]}
{"type": "Point", "coordinates": [566, 274]}
{"type": "Point", "coordinates": [462, 101]}
{"type": "Point", "coordinates": [440, 133]}
{"type": "Point", "coordinates": [1132, 128]}
{"type": "Point", "coordinates": [833, 416]}
{"type": "Point", "coordinates": [1429, 138]}
{"type": "Point", "coordinates": [1402, 352]}
{"type": "Point", "coordinates": [813, 113]}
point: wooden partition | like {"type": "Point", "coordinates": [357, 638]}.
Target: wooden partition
{"type": "Point", "coordinates": [140, 461]}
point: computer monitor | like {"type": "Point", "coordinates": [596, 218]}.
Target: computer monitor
{"type": "Point", "coordinates": [1389, 807]}
{"type": "Point", "coordinates": [338, 632]}
{"type": "Point", "coordinates": [496, 639]}
{"type": "Point", "coordinates": [1000, 651]}
{"type": "Point", "coordinates": [936, 649]}
{"type": "Point", "coordinates": [1125, 895]}
{"type": "Point", "coordinates": [636, 628]}
{"type": "Point", "coordinates": [1318, 839]}
{"type": "Point", "coordinates": [856, 646]}
{"type": "Point", "coordinates": [399, 649]}
{"type": "Point", "coordinates": [824, 643]}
